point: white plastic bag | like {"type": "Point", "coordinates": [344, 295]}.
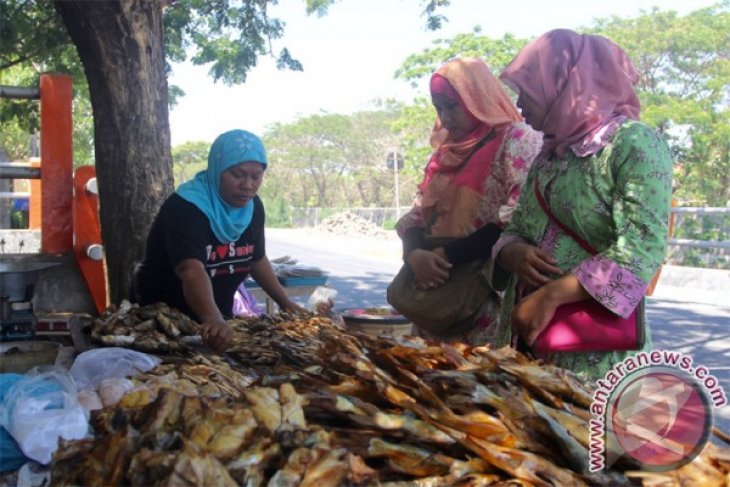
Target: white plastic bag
{"type": "Point", "coordinates": [41, 408]}
{"type": "Point", "coordinates": [321, 295]}
{"type": "Point", "coordinates": [326, 295]}
{"type": "Point", "coordinates": [93, 366]}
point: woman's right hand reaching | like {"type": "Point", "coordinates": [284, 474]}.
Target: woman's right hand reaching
{"type": "Point", "coordinates": [531, 264]}
{"type": "Point", "coordinates": [216, 334]}
{"type": "Point", "coordinates": [430, 267]}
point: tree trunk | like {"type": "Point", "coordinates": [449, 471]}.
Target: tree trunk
{"type": "Point", "coordinates": [121, 47]}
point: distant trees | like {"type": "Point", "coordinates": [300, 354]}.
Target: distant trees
{"type": "Point", "coordinates": [332, 160]}
{"type": "Point", "coordinates": [20, 117]}
{"type": "Point", "coordinates": [324, 160]}
{"type": "Point", "coordinates": [188, 158]}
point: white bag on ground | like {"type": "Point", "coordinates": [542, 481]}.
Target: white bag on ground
{"type": "Point", "coordinates": [41, 408]}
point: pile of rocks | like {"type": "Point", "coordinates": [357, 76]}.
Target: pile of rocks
{"type": "Point", "coordinates": [351, 224]}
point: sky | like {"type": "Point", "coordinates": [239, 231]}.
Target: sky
{"type": "Point", "coordinates": [351, 54]}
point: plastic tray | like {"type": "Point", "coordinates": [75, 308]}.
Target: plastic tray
{"type": "Point", "coordinates": [303, 281]}
{"type": "Point", "coordinates": [383, 321]}
{"type": "Point", "coordinates": [292, 281]}
{"type": "Point", "coordinates": [374, 315]}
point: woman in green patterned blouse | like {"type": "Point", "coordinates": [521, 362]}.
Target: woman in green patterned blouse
{"type": "Point", "coordinates": [604, 174]}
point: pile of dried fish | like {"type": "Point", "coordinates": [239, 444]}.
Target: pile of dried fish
{"type": "Point", "coordinates": [177, 440]}
{"type": "Point", "coordinates": [306, 402]}
{"type": "Point", "coordinates": [271, 339]}
{"type": "Point", "coordinates": [152, 329]}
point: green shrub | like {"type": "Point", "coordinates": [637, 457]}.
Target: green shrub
{"type": "Point", "coordinates": [389, 224]}
{"type": "Point", "coordinates": [18, 219]}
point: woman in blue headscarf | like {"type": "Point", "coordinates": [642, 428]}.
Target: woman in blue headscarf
{"type": "Point", "coordinates": [208, 236]}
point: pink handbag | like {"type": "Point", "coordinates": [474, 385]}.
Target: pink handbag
{"type": "Point", "coordinates": [588, 326]}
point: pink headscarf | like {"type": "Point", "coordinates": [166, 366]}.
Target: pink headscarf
{"type": "Point", "coordinates": [470, 82]}
{"type": "Point", "coordinates": [584, 83]}
{"type": "Point", "coordinates": [479, 91]}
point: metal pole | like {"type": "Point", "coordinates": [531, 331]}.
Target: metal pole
{"type": "Point", "coordinates": [19, 92]}
{"type": "Point", "coordinates": [13, 171]}
{"type": "Point", "coordinates": [397, 191]}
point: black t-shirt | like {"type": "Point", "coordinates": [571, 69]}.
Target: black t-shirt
{"type": "Point", "coordinates": [181, 231]}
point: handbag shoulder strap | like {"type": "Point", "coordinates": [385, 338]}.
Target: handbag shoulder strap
{"type": "Point", "coordinates": [543, 204]}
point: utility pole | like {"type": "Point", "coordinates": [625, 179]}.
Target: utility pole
{"type": "Point", "coordinates": [397, 190]}
{"type": "Point", "coordinates": [395, 161]}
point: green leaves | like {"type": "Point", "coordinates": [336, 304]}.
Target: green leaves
{"type": "Point", "coordinates": [227, 34]}
{"type": "Point", "coordinates": [434, 20]}
{"type": "Point", "coordinates": [189, 158]}
{"type": "Point", "coordinates": [32, 32]}
{"type": "Point", "coordinates": [318, 7]}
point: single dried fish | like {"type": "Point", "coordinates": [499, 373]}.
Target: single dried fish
{"type": "Point", "coordinates": [265, 406]}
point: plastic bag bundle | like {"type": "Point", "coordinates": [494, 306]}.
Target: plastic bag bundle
{"type": "Point", "coordinates": [11, 456]}
{"type": "Point", "coordinates": [41, 408]}
{"type": "Point", "coordinates": [94, 366]}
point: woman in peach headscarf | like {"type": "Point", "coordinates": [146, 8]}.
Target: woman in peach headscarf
{"type": "Point", "coordinates": [602, 174]}
{"type": "Point", "coordinates": [482, 152]}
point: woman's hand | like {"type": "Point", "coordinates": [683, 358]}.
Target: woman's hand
{"type": "Point", "coordinates": [292, 307]}
{"type": "Point", "coordinates": [532, 314]}
{"type": "Point", "coordinates": [531, 264]}
{"type": "Point", "coordinates": [216, 334]}
{"type": "Point", "coordinates": [198, 292]}
{"type": "Point", "coordinates": [430, 267]}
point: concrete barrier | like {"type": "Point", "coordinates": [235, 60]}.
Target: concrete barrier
{"type": "Point", "coordinates": [694, 285]}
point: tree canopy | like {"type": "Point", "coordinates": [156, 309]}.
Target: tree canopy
{"type": "Point", "coordinates": [188, 158]}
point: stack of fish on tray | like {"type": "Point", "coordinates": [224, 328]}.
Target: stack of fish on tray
{"type": "Point", "coordinates": [286, 266]}
{"type": "Point", "coordinates": [152, 329]}
{"type": "Point", "coordinates": [299, 401]}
